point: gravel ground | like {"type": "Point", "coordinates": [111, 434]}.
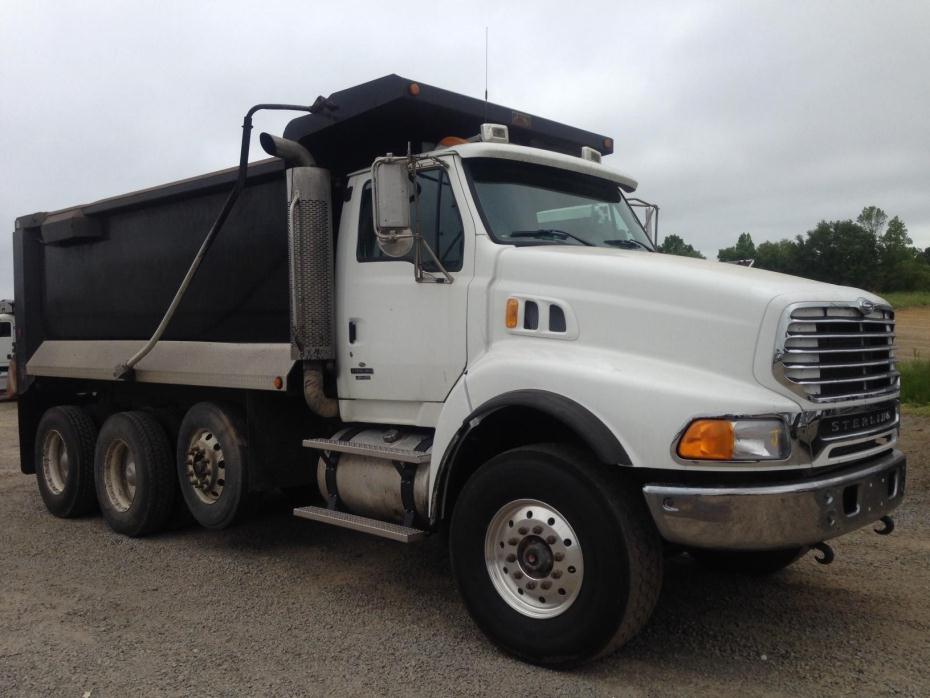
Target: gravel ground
{"type": "Point", "coordinates": [280, 605]}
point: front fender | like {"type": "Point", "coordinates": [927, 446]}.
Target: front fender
{"type": "Point", "coordinates": [643, 402]}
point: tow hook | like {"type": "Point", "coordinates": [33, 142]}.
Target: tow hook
{"type": "Point", "coordinates": [826, 551]}
{"type": "Point", "coordinates": [889, 526]}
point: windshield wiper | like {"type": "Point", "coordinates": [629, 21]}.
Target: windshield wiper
{"type": "Point", "coordinates": [628, 244]}
{"type": "Point", "coordinates": [550, 233]}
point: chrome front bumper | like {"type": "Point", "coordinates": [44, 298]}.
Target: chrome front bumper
{"type": "Point", "coordinates": [770, 517]}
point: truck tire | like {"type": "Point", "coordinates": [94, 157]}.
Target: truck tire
{"type": "Point", "coordinates": [557, 561]}
{"type": "Point", "coordinates": [134, 473]}
{"type": "Point", "coordinates": [212, 463]}
{"type": "Point", "coordinates": [64, 461]}
{"type": "Point", "coordinates": [756, 563]}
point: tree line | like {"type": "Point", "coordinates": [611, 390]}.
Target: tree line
{"type": "Point", "coordinates": [870, 252]}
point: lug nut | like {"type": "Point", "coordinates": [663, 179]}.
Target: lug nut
{"type": "Point", "coordinates": [546, 584]}
{"type": "Point", "coordinates": [531, 585]}
{"type": "Point", "coordinates": [537, 530]}
{"type": "Point", "coordinates": [559, 557]}
{"type": "Point", "coordinates": [523, 530]}
{"type": "Point", "coordinates": [551, 540]}
{"type": "Point", "coordinates": [511, 558]}
{"type": "Point", "coordinates": [556, 574]}
{"type": "Point", "coordinates": [518, 575]}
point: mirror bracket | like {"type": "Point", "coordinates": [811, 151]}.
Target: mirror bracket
{"type": "Point", "coordinates": [650, 220]}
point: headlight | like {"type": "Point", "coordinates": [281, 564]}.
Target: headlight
{"type": "Point", "coordinates": [735, 440]}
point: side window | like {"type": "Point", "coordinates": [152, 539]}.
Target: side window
{"type": "Point", "coordinates": [439, 221]}
{"type": "Point", "coordinates": [5, 329]}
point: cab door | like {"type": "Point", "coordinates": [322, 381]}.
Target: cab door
{"type": "Point", "coordinates": [401, 343]}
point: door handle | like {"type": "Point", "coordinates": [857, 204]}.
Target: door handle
{"type": "Point", "coordinates": [353, 332]}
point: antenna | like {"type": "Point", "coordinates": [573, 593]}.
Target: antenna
{"type": "Point", "coordinates": [485, 72]}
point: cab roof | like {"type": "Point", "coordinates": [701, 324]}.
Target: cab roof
{"type": "Point", "coordinates": [541, 157]}
{"type": "Point", "coordinates": [535, 156]}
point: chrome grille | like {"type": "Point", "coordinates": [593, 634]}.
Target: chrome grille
{"type": "Point", "coordinates": [830, 353]}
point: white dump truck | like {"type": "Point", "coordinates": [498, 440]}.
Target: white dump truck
{"type": "Point", "coordinates": [436, 314]}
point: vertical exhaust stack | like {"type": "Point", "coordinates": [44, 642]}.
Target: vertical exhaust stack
{"type": "Point", "coordinates": [310, 266]}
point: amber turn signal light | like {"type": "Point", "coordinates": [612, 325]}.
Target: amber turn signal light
{"type": "Point", "coordinates": [513, 310]}
{"type": "Point", "coordinates": [708, 439]}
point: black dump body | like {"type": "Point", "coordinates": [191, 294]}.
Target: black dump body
{"type": "Point", "coordinates": [108, 270]}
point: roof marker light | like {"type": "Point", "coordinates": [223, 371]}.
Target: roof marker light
{"type": "Point", "coordinates": [590, 154]}
{"type": "Point", "coordinates": [495, 133]}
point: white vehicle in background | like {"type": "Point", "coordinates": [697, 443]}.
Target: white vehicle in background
{"type": "Point", "coordinates": [7, 327]}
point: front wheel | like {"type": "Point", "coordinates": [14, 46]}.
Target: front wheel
{"type": "Point", "coordinates": [557, 561]}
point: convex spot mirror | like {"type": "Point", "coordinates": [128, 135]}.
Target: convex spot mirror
{"type": "Point", "coordinates": [391, 191]}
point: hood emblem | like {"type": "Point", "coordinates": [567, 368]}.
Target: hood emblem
{"type": "Point", "coordinates": [865, 306]}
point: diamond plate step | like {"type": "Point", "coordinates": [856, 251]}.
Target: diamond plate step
{"type": "Point", "coordinates": [401, 534]}
{"type": "Point", "coordinates": [373, 450]}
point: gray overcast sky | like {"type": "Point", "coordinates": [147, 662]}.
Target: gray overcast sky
{"type": "Point", "coordinates": [733, 116]}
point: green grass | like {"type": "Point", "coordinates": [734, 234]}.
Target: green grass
{"type": "Point", "coordinates": [915, 382]}
{"type": "Point", "coordinates": [907, 299]}
{"type": "Point", "coordinates": [916, 410]}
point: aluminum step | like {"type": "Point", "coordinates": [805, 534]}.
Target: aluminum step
{"type": "Point", "coordinates": [373, 450]}
{"type": "Point", "coordinates": [384, 529]}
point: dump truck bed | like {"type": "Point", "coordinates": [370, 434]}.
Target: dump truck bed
{"type": "Point", "coordinates": [108, 270]}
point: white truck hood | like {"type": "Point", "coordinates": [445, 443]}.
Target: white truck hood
{"type": "Point", "coordinates": [691, 311]}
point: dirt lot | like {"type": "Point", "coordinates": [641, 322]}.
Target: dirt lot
{"type": "Point", "coordinates": [285, 606]}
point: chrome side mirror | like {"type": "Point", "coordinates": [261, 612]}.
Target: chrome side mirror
{"type": "Point", "coordinates": [391, 192]}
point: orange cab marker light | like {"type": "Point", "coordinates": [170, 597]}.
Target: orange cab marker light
{"type": "Point", "coordinates": [513, 308]}
{"type": "Point", "coordinates": [414, 89]}
{"type": "Point", "coordinates": [452, 140]}
{"type": "Point", "coordinates": [278, 382]}
{"type": "Point", "coordinates": [708, 439]}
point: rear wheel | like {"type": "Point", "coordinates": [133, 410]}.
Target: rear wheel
{"type": "Point", "coordinates": [65, 461]}
{"type": "Point", "coordinates": [212, 464]}
{"type": "Point", "coordinates": [755, 563]}
{"type": "Point", "coordinates": [134, 473]}
{"type": "Point", "coordinates": [556, 559]}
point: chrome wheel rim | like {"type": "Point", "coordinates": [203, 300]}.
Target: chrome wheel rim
{"type": "Point", "coordinates": [119, 475]}
{"type": "Point", "coordinates": [206, 466]}
{"type": "Point", "coordinates": [55, 462]}
{"type": "Point", "coordinates": [534, 558]}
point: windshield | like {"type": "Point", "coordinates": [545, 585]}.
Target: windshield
{"type": "Point", "coordinates": [527, 204]}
